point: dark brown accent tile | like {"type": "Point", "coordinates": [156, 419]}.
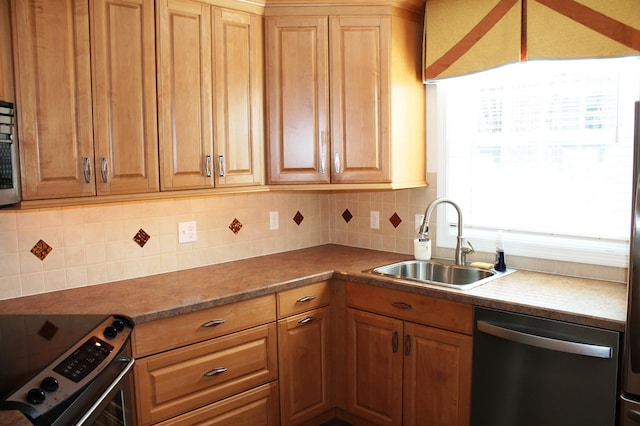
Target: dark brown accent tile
{"type": "Point", "coordinates": [298, 218]}
{"type": "Point", "coordinates": [395, 220]}
{"type": "Point", "coordinates": [41, 249]}
{"type": "Point", "coordinates": [235, 226]}
{"type": "Point", "coordinates": [141, 237]}
{"type": "Point", "coordinates": [346, 215]}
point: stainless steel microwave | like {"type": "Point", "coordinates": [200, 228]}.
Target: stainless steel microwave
{"type": "Point", "coordinates": [9, 183]}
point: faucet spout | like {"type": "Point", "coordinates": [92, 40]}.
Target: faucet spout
{"type": "Point", "coordinates": [461, 250]}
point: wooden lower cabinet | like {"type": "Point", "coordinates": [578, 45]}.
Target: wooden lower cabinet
{"type": "Point", "coordinates": [305, 378]}
{"type": "Point", "coordinates": [184, 379]}
{"type": "Point", "coordinates": [400, 372]}
{"type": "Point", "coordinates": [255, 407]}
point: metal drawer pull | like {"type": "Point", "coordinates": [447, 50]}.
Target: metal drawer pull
{"type": "Point", "coordinates": [221, 165]}
{"type": "Point", "coordinates": [213, 323]}
{"type": "Point", "coordinates": [394, 341]}
{"type": "Point", "coordinates": [104, 170]}
{"type": "Point", "coordinates": [207, 165]}
{"type": "Point", "coordinates": [595, 351]}
{"type": "Point", "coordinates": [401, 305]}
{"type": "Point", "coordinates": [87, 170]}
{"type": "Point", "coordinates": [215, 371]}
{"type": "Point", "coordinates": [306, 320]}
{"type": "Point", "coordinates": [306, 299]}
{"type": "Point", "coordinates": [407, 345]}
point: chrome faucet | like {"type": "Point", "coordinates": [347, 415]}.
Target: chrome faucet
{"type": "Point", "coordinates": [461, 250]}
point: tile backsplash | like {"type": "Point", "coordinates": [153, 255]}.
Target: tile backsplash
{"type": "Point", "coordinates": [101, 243]}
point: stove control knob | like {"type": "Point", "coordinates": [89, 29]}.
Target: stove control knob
{"type": "Point", "coordinates": [118, 324]}
{"type": "Point", "coordinates": [50, 384]}
{"type": "Point", "coordinates": [36, 396]}
{"type": "Point", "coordinates": [110, 332]}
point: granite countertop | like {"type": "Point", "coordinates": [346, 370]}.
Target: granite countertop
{"type": "Point", "coordinates": [582, 301]}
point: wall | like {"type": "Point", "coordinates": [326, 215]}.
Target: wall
{"type": "Point", "coordinates": [95, 244]}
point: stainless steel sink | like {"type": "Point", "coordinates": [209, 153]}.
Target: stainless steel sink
{"type": "Point", "coordinates": [437, 273]}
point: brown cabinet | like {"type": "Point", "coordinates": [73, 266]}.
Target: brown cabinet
{"type": "Point", "coordinates": [208, 363]}
{"type": "Point", "coordinates": [210, 95]}
{"type": "Point", "coordinates": [345, 99]}
{"type": "Point", "coordinates": [304, 342]}
{"type": "Point", "coordinates": [85, 90]}
{"type": "Point", "coordinates": [408, 358]}
{"type": "Point", "coordinates": [6, 57]}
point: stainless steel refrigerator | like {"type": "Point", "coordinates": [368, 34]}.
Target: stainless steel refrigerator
{"type": "Point", "coordinates": [630, 403]}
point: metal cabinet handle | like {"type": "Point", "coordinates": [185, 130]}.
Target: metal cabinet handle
{"type": "Point", "coordinates": [595, 351]}
{"type": "Point", "coordinates": [213, 323]}
{"type": "Point", "coordinates": [337, 164]}
{"type": "Point", "coordinates": [306, 320]}
{"type": "Point", "coordinates": [407, 345]}
{"type": "Point", "coordinates": [87, 170]}
{"type": "Point", "coordinates": [401, 305]}
{"type": "Point", "coordinates": [207, 165]}
{"type": "Point", "coordinates": [104, 170]}
{"type": "Point", "coordinates": [306, 299]}
{"type": "Point", "coordinates": [215, 371]}
{"type": "Point", "coordinates": [323, 152]}
{"type": "Point", "coordinates": [394, 341]}
{"type": "Point", "coordinates": [221, 165]}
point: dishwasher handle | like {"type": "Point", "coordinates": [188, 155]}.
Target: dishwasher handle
{"type": "Point", "coordinates": [595, 351]}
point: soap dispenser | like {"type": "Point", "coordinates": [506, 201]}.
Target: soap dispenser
{"type": "Point", "coordinates": [422, 246]}
{"type": "Point", "coordinates": [500, 264]}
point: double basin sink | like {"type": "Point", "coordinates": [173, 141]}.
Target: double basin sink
{"type": "Point", "coordinates": [439, 273]}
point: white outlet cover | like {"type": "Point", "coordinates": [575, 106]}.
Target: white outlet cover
{"type": "Point", "coordinates": [375, 220]}
{"type": "Point", "coordinates": [273, 220]}
{"type": "Point", "coordinates": [187, 232]}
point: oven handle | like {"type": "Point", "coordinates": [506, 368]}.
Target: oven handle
{"type": "Point", "coordinates": [130, 361]}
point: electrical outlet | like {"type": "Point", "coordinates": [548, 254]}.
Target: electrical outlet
{"type": "Point", "coordinates": [419, 219]}
{"type": "Point", "coordinates": [273, 220]}
{"type": "Point", "coordinates": [375, 220]}
{"type": "Point", "coordinates": [187, 232]}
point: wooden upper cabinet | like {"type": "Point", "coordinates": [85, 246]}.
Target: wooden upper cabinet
{"type": "Point", "coordinates": [298, 99]}
{"type": "Point", "coordinates": [77, 139]}
{"type": "Point", "coordinates": [210, 96]}
{"type": "Point", "coordinates": [239, 93]}
{"type": "Point", "coordinates": [53, 97]}
{"type": "Point", "coordinates": [124, 96]}
{"type": "Point", "coordinates": [366, 61]}
{"type": "Point", "coordinates": [6, 57]}
{"type": "Point", "coordinates": [185, 95]}
{"type": "Point", "coordinates": [360, 98]}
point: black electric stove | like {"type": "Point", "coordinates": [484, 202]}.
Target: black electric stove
{"type": "Point", "coordinates": [48, 361]}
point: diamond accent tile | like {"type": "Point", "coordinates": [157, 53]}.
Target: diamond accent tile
{"type": "Point", "coordinates": [346, 215]}
{"type": "Point", "coordinates": [41, 249]}
{"type": "Point", "coordinates": [298, 218]}
{"type": "Point", "coordinates": [235, 226]}
{"type": "Point", "coordinates": [395, 220]}
{"type": "Point", "coordinates": [141, 237]}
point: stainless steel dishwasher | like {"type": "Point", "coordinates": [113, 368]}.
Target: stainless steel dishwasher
{"type": "Point", "coordinates": [534, 371]}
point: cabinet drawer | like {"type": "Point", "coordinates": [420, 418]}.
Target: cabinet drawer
{"type": "Point", "coordinates": [169, 333]}
{"type": "Point", "coordinates": [256, 407]}
{"type": "Point", "coordinates": [302, 299]}
{"type": "Point", "coordinates": [184, 379]}
{"type": "Point", "coordinates": [446, 314]}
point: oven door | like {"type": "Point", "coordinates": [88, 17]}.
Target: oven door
{"type": "Point", "coordinates": [107, 400]}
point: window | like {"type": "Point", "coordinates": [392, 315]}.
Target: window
{"type": "Point", "coordinates": [542, 150]}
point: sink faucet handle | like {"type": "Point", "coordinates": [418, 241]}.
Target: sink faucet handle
{"type": "Point", "coordinates": [464, 251]}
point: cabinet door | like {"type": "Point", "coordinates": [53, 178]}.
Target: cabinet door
{"type": "Point", "coordinates": [298, 99]}
{"type": "Point", "coordinates": [6, 57]}
{"type": "Point", "coordinates": [53, 97]}
{"type": "Point", "coordinates": [437, 377]}
{"type": "Point", "coordinates": [374, 367]}
{"type": "Point", "coordinates": [124, 96]}
{"type": "Point", "coordinates": [239, 104]}
{"type": "Point", "coordinates": [185, 95]}
{"type": "Point", "coordinates": [360, 58]}
{"type": "Point", "coordinates": [305, 380]}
